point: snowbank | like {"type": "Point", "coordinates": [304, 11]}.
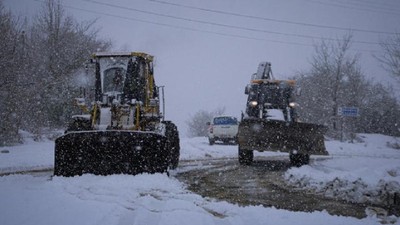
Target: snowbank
{"type": "Point", "coordinates": [141, 199]}
{"type": "Point", "coordinates": [367, 171]}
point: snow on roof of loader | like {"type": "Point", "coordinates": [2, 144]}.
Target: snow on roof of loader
{"type": "Point", "coordinates": [108, 54]}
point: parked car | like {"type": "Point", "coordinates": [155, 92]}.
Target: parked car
{"type": "Point", "coordinates": [223, 128]}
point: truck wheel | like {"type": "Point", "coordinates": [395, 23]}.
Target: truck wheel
{"type": "Point", "coordinates": [172, 134]}
{"type": "Point", "coordinates": [299, 159]}
{"type": "Point", "coordinates": [211, 141]}
{"type": "Point", "coordinates": [235, 140]}
{"type": "Point", "coordinates": [245, 156]}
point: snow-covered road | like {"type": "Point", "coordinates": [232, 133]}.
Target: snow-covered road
{"type": "Point", "coordinates": [159, 199]}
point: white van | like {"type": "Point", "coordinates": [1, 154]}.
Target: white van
{"type": "Point", "coordinates": [223, 128]}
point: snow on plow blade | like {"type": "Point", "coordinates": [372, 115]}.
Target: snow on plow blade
{"type": "Point", "coordinates": [110, 152]}
{"type": "Point", "coordinates": [274, 135]}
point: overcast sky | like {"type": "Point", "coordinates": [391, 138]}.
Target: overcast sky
{"type": "Point", "coordinates": [207, 50]}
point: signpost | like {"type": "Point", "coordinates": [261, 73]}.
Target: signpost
{"type": "Point", "coordinates": [348, 111]}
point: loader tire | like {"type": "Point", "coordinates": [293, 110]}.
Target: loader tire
{"type": "Point", "coordinates": [245, 156]}
{"type": "Point", "coordinates": [172, 134]}
{"type": "Point", "coordinates": [299, 160]}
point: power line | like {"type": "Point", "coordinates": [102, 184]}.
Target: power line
{"type": "Point", "coordinates": [380, 4]}
{"type": "Point", "coordinates": [370, 6]}
{"type": "Point", "coordinates": [353, 8]}
{"type": "Point", "coordinates": [222, 25]}
{"type": "Point", "coordinates": [270, 19]}
{"type": "Point", "coordinates": [182, 27]}
{"type": "Point", "coordinates": [198, 30]}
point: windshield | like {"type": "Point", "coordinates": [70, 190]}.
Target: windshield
{"type": "Point", "coordinates": [225, 121]}
{"type": "Point", "coordinates": [114, 79]}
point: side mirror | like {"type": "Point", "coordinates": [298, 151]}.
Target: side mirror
{"type": "Point", "coordinates": [298, 91]}
{"type": "Point", "coordinates": [247, 89]}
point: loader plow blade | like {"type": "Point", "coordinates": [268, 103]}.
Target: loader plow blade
{"type": "Point", "coordinates": [110, 152]}
{"type": "Point", "coordinates": [274, 135]}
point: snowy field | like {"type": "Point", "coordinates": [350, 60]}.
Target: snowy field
{"type": "Point", "coordinates": [352, 171]}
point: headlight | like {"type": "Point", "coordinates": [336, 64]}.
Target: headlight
{"type": "Point", "coordinates": [293, 104]}
{"type": "Point", "coordinates": [253, 103]}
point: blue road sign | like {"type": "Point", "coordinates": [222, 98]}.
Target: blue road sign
{"type": "Point", "coordinates": [348, 111]}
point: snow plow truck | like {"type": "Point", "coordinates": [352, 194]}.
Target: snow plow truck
{"type": "Point", "coordinates": [271, 123]}
{"type": "Point", "coordinates": [123, 130]}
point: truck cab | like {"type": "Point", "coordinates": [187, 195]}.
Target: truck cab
{"type": "Point", "coordinates": [223, 128]}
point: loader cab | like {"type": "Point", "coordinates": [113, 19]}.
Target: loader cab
{"type": "Point", "coordinates": [113, 83]}
{"type": "Point", "coordinates": [124, 77]}
{"type": "Point", "coordinates": [114, 79]}
{"type": "Point", "coordinates": [125, 88]}
{"type": "Point", "coordinates": [265, 97]}
{"type": "Point", "coordinates": [111, 71]}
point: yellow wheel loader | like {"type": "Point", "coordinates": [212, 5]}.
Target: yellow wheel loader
{"type": "Point", "coordinates": [123, 130]}
{"type": "Point", "coordinates": [271, 122]}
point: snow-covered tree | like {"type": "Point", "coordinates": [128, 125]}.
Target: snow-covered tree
{"type": "Point", "coordinates": [197, 124]}
{"type": "Point", "coordinates": [391, 56]}
{"type": "Point", "coordinates": [60, 48]}
{"type": "Point", "coordinates": [11, 80]}
{"type": "Point", "coordinates": [336, 80]}
{"type": "Point", "coordinates": [39, 64]}
{"type": "Point", "coordinates": [66, 45]}
{"type": "Point", "coordinates": [380, 111]}
{"type": "Point", "coordinates": [326, 86]}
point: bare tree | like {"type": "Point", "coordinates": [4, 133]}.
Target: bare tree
{"type": "Point", "coordinates": [391, 56]}
{"type": "Point", "coordinates": [11, 81]}
{"type": "Point", "coordinates": [59, 49]}
{"type": "Point", "coordinates": [334, 80]}
{"type": "Point", "coordinates": [38, 65]}
{"type": "Point", "coordinates": [380, 111]}
{"type": "Point", "coordinates": [330, 83]}
{"type": "Point", "coordinates": [197, 124]}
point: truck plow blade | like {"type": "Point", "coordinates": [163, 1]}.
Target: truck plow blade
{"type": "Point", "coordinates": [274, 135]}
{"type": "Point", "coordinates": [110, 152]}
